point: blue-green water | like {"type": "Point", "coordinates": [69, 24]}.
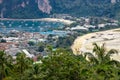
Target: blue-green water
{"type": "Point", "coordinates": [54, 33]}
{"type": "Point", "coordinates": [28, 26]}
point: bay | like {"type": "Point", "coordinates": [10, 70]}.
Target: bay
{"type": "Point", "coordinates": [28, 26]}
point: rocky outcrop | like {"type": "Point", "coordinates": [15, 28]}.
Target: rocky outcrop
{"type": "Point", "coordinates": [23, 4]}
{"type": "Point", "coordinates": [113, 1]}
{"type": "Point", "coordinates": [0, 1]}
{"type": "Point", "coordinates": [44, 6]}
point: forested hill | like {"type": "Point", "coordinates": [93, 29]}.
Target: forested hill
{"type": "Point", "coordinates": [44, 8]}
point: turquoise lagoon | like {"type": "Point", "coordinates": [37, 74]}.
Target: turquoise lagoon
{"type": "Point", "coordinates": [29, 26]}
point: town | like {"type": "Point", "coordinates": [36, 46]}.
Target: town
{"type": "Point", "coordinates": [35, 43]}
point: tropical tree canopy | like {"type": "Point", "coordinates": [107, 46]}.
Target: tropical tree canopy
{"type": "Point", "coordinates": [61, 64]}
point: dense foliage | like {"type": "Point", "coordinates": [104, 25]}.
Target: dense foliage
{"type": "Point", "coordinates": [73, 7]}
{"type": "Point", "coordinates": [12, 9]}
{"type": "Point", "coordinates": [61, 65]}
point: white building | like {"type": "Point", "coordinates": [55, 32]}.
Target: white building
{"type": "Point", "coordinates": [79, 28]}
{"type": "Point", "coordinates": [27, 53]}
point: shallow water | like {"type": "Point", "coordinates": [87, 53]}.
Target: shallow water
{"type": "Point", "coordinates": [28, 26]}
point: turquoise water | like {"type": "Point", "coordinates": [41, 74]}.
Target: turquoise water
{"type": "Point", "coordinates": [54, 33]}
{"type": "Point", "coordinates": [28, 26]}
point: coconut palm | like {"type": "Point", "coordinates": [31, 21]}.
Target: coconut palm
{"type": "Point", "coordinates": [33, 73]}
{"type": "Point", "coordinates": [5, 65]}
{"type": "Point", "coordinates": [102, 66]}
{"type": "Point", "coordinates": [22, 63]}
{"type": "Point", "coordinates": [101, 54]}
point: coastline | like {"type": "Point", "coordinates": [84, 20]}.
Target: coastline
{"type": "Point", "coordinates": [42, 19]}
{"type": "Point", "coordinates": [111, 38]}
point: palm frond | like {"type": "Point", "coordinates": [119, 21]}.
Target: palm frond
{"type": "Point", "coordinates": [96, 48]}
{"type": "Point", "coordinates": [110, 52]}
{"type": "Point", "coordinates": [99, 51]}
{"type": "Point", "coordinates": [91, 57]}
{"type": "Point", "coordinates": [116, 63]}
{"type": "Point", "coordinates": [103, 49]}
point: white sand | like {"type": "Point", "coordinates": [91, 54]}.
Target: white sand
{"type": "Point", "coordinates": [57, 20]}
{"type": "Point", "coordinates": [42, 19]}
{"type": "Point", "coordinates": [111, 38]}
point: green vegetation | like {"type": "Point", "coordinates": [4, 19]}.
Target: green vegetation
{"type": "Point", "coordinates": [61, 65]}
{"type": "Point", "coordinates": [31, 43]}
{"type": "Point", "coordinates": [77, 8]}
{"type": "Point", "coordinates": [41, 46]}
{"type": "Point", "coordinates": [65, 42]}
{"type": "Point", "coordinates": [3, 41]}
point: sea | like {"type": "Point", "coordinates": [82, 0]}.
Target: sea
{"type": "Point", "coordinates": [29, 26]}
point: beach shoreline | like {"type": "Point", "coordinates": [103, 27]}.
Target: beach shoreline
{"type": "Point", "coordinates": [42, 19]}
{"type": "Point", "coordinates": [111, 38]}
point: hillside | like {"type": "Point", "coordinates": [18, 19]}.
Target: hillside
{"type": "Point", "coordinates": [45, 8]}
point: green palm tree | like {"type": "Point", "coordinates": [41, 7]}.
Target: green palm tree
{"type": "Point", "coordinates": [102, 66]}
{"type": "Point", "coordinates": [22, 63]}
{"type": "Point", "coordinates": [33, 73]}
{"type": "Point", "coordinates": [101, 54]}
{"type": "Point", "coordinates": [5, 65]}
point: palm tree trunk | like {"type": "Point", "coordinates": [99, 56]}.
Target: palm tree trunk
{"type": "Point", "coordinates": [2, 72]}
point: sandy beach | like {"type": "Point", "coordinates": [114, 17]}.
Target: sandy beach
{"type": "Point", "coordinates": [57, 20]}
{"type": "Point", "coordinates": [111, 38]}
{"type": "Point", "coordinates": [42, 19]}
